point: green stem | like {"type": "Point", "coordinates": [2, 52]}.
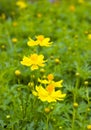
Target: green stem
{"type": "Point", "coordinates": [74, 100]}
{"type": "Point", "coordinates": [47, 122]}
{"type": "Point", "coordinates": [85, 116]}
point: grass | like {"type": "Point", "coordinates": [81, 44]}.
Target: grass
{"type": "Point", "coordinates": [67, 24]}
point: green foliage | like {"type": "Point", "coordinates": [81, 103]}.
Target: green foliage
{"type": "Point", "coordinates": [68, 24]}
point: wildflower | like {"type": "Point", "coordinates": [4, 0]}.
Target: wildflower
{"type": "Point", "coordinates": [21, 4]}
{"type": "Point", "coordinates": [14, 40]}
{"type": "Point", "coordinates": [60, 127]}
{"type": "Point", "coordinates": [77, 74]}
{"type": "Point", "coordinates": [72, 8]}
{"type": "Point", "coordinates": [3, 47]}
{"type": "Point", "coordinates": [43, 41]}
{"type": "Point", "coordinates": [32, 42]}
{"type": "Point", "coordinates": [50, 76]}
{"type": "Point", "coordinates": [75, 104]}
{"type": "Point", "coordinates": [85, 82]}
{"type": "Point", "coordinates": [17, 72]}
{"type": "Point", "coordinates": [42, 70]}
{"type": "Point", "coordinates": [3, 16]}
{"type": "Point", "coordinates": [48, 94]}
{"type": "Point", "coordinates": [50, 80]}
{"type": "Point", "coordinates": [40, 40]}
{"type": "Point", "coordinates": [31, 84]}
{"type": "Point", "coordinates": [86, 32]}
{"type": "Point", "coordinates": [88, 109]}
{"type": "Point", "coordinates": [34, 61]}
{"type": "Point", "coordinates": [47, 110]}
{"type": "Point", "coordinates": [81, 1]}
{"type": "Point", "coordinates": [88, 127]}
{"type": "Point", "coordinates": [52, 57]}
{"type": "Point", "coordinates": [8, 116]}
{"type": "Point", "coordinates": [39, 15]}
{"type": "Point", "coordinates": [89, 36]}
{"type": "Point", "coordinates": [57, 61]}
{"type": "Point", "coordinates": [15, 24]}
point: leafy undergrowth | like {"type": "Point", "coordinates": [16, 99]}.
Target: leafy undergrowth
{"type": "Point", "coordinates": [67, 24]}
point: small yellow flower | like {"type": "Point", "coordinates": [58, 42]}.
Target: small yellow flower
{"type": "Point", "coordinates": [60, 127]}
{"type": "Point", "coordinates": [57, 61]}
{"type": "Point", "coordinates": [15, 24]}
{"type": "Point", "coordinates": [21, 4]}
{"type": "Point", "coordinates": [43, 41]}
{"type": "Point", "coordinates": [39, 15]}
{"type": "Point", "coordinates": [72, 8]}
{"type": "Point", "coordinates": [8, 116]}
{"type": "Point", "coordinates": [48, 94]}
{"type": "Point", "coordinates": [81, 1]}
{"type": "Point", "coordinates": [89, 36]}
{"type": "Point", "coordinates": [42, 70]}
{"type": "Point", "coordinates": [50, 77]}
{"type": "Point", "coordinates": [47, 110]}
{"type": "Point", "coordinates": [88, 127]}
{"type": "Point", "coordinates": [50, 81]}
{"type": "Point", "coordinates": [3, 47]}
{"type": "Point", "coordinates": [77, 74]}
{"type": "Point", "coordinates": [31, 84]}
{"type": "Point", "coordinates": [3, 16]}
{"type": "Point", "coordinates": [14, 40]}
{"type": "Point", "coordinates": [34, 61]}
{"type": "Point", "coordinates": [88, 109]}
{"type": "Point", "coordinates": [85, 82]}
{"type": "Point", "coordinates": [17, 72]}
{"type": "Point", "coordinates": [75, 104]}
{"type": "Point", "coordinates": [40, 40]}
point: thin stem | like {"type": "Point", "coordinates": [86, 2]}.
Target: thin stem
{"type": "Point", "coordinates": [85, 116]}
{"type": "Point", "coordinates": [74, 100]}
{"type": "Point", "coordinates": [47, 122]}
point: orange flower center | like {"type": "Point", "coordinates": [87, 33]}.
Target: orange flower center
{"type": "Point", "coordinates": [50, 88]}
{"type": "Point", "coordinates": [50, 77]}
{"type": "Point", "coordinates": [34, 57]}
{"type": "Point", "coordinates": [40, 38]}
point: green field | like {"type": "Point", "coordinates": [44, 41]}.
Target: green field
{"type": "Point", "coordinates": [45, 65]}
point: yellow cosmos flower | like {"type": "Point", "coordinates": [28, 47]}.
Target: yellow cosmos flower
{"type": "Point", "coordinates": [81, 1]}
{"type": "Point", "coordinates": [14, 40]}
{"type": "Point", "coordinates": [50, 80]}
{"type": "Point", "coordinates": [34, 61]}
{"type": "Point", "coordinates": [43, 41]}
{"type": "Point", "coordinates": [89, 36]}
{"type": "Point", "coordinates": [48, 94]}
{"type": "Point", "coordinates": [40, 40]}
{"type": "Point", "coordinates": [50, 76]}
{"type": "Point", "coordinates": [89, 127]}
{"type": "Point", "coordinates": [72, 8]}
{"type": "Point", "coordinates": [21, 4]}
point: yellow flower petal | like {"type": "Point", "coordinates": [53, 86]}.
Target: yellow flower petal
{"type": "Point", "coordinates": [32, 42]}
{"type": "Point", "coordinates": [26, 61]}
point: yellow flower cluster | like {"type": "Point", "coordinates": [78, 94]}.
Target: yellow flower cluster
{"type": "Point", "coordinates": [35, 60]}
{"type": "Point", "coordinates": [49, 93]}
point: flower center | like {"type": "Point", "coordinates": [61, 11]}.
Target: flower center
{"type": "Point", "coordinates": [34, 57]}
{"type": "Point", "coordinates": [50, 88]}
{"type": "Point", "coordinates": [40, 38]}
